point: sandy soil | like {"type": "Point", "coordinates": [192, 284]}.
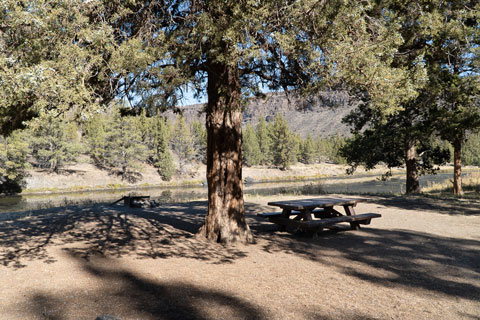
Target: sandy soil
{"type": "Point", "coordinates": [421, 260]}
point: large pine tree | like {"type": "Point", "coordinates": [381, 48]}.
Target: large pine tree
{"type": "Point", "coordinates": [453, 60]}
{"type": "Point", "coordinates": [149, 52]}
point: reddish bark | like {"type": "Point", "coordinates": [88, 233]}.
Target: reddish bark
{"type": "Point", "coordinates": [413, 186]}
{"type": "Point", "coordinates": [225, 220]}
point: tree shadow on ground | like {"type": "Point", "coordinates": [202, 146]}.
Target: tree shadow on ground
{"type": "Point", "coordinates": [391, 258]}
{"type": "Point", "coordinates": [125, 294]}
{"type": "Point", "coordinates": [424, 203]}
{"type": "Point", "coordinates": [163, 232]}
{"type": "Point", "coordinates": [449, 266]}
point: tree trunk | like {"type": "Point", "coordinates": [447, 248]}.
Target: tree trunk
{"type": "Point", "coordinates": [457, 166]}
{"type": "Point", "coordinates": [413, 186]}
{"type": "Point", "coordinates": [225, 220]}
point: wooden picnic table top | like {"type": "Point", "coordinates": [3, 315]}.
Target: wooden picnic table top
{"type": "Point", "coordinates": [303, 204]}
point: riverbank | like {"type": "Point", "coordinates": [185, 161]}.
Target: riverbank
{"type": "Point", "coordinates": [282, 184]}
{"type": "Point", "coordinates": [86, 177]}
{"type": "Point", "coordinates": [419, 261]}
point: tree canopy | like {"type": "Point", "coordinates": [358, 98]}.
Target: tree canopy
{"type": "Point", "coordinates": [74, 54]}
{"type": "Point", "coordinates": [441, 38]}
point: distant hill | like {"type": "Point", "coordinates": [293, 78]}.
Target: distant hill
{"type": "Point", "coordinates": [320, 115]}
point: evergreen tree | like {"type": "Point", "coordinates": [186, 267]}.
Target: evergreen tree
{"type": "Point", "coordinates": [251, 148]}
{"type": "Point", "coordinates": [390, 143]}
{"type": "Point", "coordinates": [297, 145]}
{"type": "Point", "coordinates": [90, 52]}
{"type": "Point", "coordinates": [284, 144]}
{"type": "Point", "coordinates": [56, 55]}
{"type": "Point", "coordinates": [96, 138]}
{"type": "Point", "coordinates": [144, 125]}
{"type": "Point", "coordinates": [320, 147]}
{"type": "Point", "coordinates": [53, 141]}
{"type": "Point", "coordinates": [13, 162]}
{"type": "Point", "coordinates": [437, 36]}
{"type": "Point", "coordinates": [182, 143]}
{"type": "Point", "coordinates": [162, 158]}
{"type": "Point", "coordinates": [329, 149]}
{"type": "Point", "coordinates": [308, 150]}
{"type": "Point", "coordinates": [368, 122]}
{"type": "Point", "coordinates": [124, 148]}
{"type": "Point", "coordinates": [336, 143]}
{"type": "Point", "coordinates": [264, 142]}
{"type": "Point", "coordinates": [399, 139]}
{"type": "Point", "coordinates": [472, 150]}
{"type": "Point", "coordinates": [200, 141]}
{"type": "Point", "coordinates": [453, 63]}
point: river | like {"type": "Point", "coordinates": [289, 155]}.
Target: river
{"type": "Point", "coordinates": [342, 185]}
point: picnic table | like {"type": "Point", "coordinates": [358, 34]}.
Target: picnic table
{"type": "Point", "coordinates": [132, 201]}
{"type": "Point", "coordinates": [318, 213]}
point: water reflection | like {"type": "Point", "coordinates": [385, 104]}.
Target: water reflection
{"type": "Point", "coordinates": [342, 185]}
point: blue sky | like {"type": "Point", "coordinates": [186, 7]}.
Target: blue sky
{"type": "Point", "coordinates": [189, 99]}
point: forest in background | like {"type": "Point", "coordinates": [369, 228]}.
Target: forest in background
{"type": "Point", "coordinates": [120, 141]}
{"type": "Point", "coordinates": [411, 70]}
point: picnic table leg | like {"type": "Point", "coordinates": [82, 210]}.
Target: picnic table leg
{"type": "Point", "coordinates": [285, 214]}
{"type": "Point", "coordinates": [332, 212]}
{"type": "Point", "coordinates": [350, 211]}
{"type": "Point", "coordinates": [307, 214]}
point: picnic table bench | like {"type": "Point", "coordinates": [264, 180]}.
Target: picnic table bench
{"type": "Point", "coordinates": [316, 214]}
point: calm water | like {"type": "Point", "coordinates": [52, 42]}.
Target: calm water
{"type": "Point", "coordinates": [344, 185]}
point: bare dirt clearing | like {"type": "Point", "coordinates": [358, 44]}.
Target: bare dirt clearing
{"type": "Point", "coordinates": [421, 260]}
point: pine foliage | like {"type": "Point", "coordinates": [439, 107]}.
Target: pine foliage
{"type": "Point", "coordinates": [53, 141]}
{"type": "Point", "coordinates": [199, 141]}
{"type": "Point", "coordinates": [472, 150]}
{"type": "Point", "coordinates": [13, 162]}
{"type": "Point", "coordinates": [161, 155]}
{"type": "Point", "coordinates": [96, 138]}
{"type": "Point", "coordinates": [284, 144]}
{"type": "Point", "coordinates": [264, 142]}
{"type": "Point", "coordinates": [124, 146]}
{"type": "Point", "coordinates": [251, 148]}
{"type": "Point", "coordinates": [415, 67]}
{"type": "Point", "coordinates": [182, 143]}
{"type": "Point", "coordinates": [308, 154]}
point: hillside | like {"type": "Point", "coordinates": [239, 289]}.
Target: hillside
{"type": "Point", "coordinates": [321, 116]}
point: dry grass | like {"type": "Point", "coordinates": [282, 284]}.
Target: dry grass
{"type": "Point", "coordinates": [470, 185]}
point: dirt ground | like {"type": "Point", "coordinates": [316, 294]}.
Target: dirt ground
{"type": "Point", "coordinates": [421, 260]}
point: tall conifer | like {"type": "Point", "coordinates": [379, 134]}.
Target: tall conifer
{"type": "Point", "coordinates": [251, 149]}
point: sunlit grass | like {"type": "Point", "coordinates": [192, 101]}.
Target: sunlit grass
{"type": "Point", "coordinates": [470, 185]}
{"type": "Point", "coordinates": [110, 186]}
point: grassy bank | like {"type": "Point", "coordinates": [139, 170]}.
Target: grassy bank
{"type": "Point", "coordinates": [470, 184]}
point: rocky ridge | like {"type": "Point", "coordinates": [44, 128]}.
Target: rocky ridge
{"type": "Point", "coordinates": [320, 115]}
